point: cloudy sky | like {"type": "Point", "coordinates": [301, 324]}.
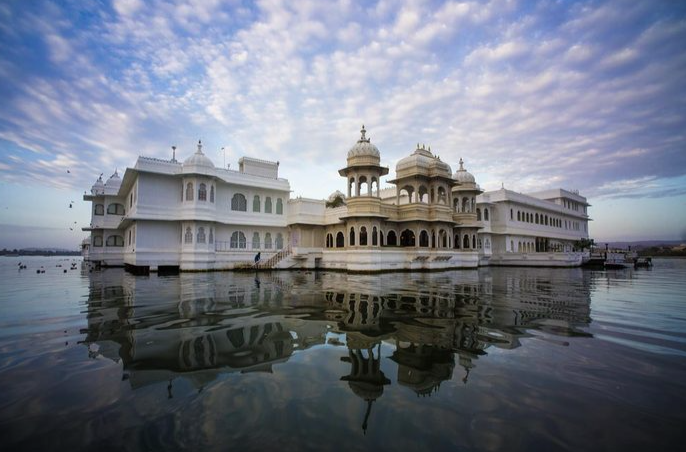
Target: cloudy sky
{"type": "Point", "coordinates": [587, 95]}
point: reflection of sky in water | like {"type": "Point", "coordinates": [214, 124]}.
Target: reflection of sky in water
{"type": "Point", "coordinates": [499, 358]}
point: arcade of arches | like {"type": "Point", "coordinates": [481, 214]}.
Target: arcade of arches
{"type": "Point", "coordinates": [367, 237]}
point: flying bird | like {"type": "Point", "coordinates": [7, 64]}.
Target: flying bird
{"type": "Point", "coordinates": [68, 171]}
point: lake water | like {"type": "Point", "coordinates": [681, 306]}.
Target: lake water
{"type": "Point", "coordinates": [490, 359]}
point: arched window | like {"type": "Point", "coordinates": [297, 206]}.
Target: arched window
{"type": "Point", "coordinates": [518, 216]}
{"type": "Point", "coordinates": [279, 206]}
{"type": "Point", "coordinates": [115, 240]}
{"type": "Point", "coordinates": [478, 214]}
{"type": "Point", "coordinates": [256, 240]}
{"type": "Point", "coordinates": [424, 239]}
{"type": "Point", "coordinates": [237, 240]}
{"type": "Point", "coordinates": [423, 194]}
{"type": "Point", "coordinates": [443, 238]}
{"type": "Point", "coordinates": [329, 240]}
{"type": "Point", "coordinates": [352, 237]}
{"type": "Point", "coordinates": [536, 219]}
{"type": "Point", "coordinates": [486, 214]}
{"type": "Point", "coordinates": [374, 239]}
{"type": "Point", "coordinates": [268, 205]}
{"type": "Point", "coordinates": [188, 238]}
{"type": "Point", "coordinates": [99, 209]}
{"type": "Point", "coordinates": [546, 220]}
{"type": "Point", "coordinates": [391, 238]}
{"type": "Point", "coordinates": [201, 235]}
{"type": "Point", "coordinates": [212, 193]}
{"type": "Point", "coordinates": [211, 235]}
{"type": "Point", "coordinates": [238, 203]}
{"type": "Point", "coordinates": [442, 198]}
{"type": "Point", "coordinates": [202, 192]}
{"type": "Point", "coordinates": [511, 214]}
{"type": "Point", "coordinates": [406, 238]}
{"type": "Point", "coordinates": [340, 240]}
{"type": "Point", "coordinates": [189, 191]}
{"type": "Point", "coordinates": [456, 241]}
{"type": "Point", "coordinates": [465, 242]}
{"type": "Point", "coordinates": [363, 236]}
{"type": "Point", "coordinates": [256, 203]}
{"type": "Point", "coordinates": [97, 241]}
{"type": "Point", "coordinates": [115, 209]}
{"type": "Point", "coordinates": [268, 241]}
{"type": "Point", "coordinates": [279, 241]}
{"type": "Point", "coordinates": [474, 241]}
{"type": "Point", "coordinates": [131, 200]}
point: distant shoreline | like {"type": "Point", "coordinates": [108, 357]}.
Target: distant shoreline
{"type": "Point", "coordinates": [39, 253]}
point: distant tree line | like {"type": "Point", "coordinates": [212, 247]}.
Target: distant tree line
{"type": "Point", "coordinates": [23, 252]}
{"type": "Point", "coordinates": [666, 251]}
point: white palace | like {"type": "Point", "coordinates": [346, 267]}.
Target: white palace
{"type": "Point", "coordinates": [166, 215]}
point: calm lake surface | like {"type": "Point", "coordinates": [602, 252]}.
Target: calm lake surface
{"type": "Point", "coordinates": [490, 359]}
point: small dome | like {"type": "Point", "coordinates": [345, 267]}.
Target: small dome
{"type": "Point", "coordinates": [98, 186]}
{"type": "Point", "coordinates": [199, 159]}
{"type": "Point", "coordinates": [364, 147]}
{"type": "Point", "coordinates": [336, 194]}
{"type": "Point", "coordinates": [114, 181]}
{"type": "Point", "coordinates": [463, 176]}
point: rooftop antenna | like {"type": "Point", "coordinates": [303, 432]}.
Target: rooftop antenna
{"type": "Point", "coordinates": [173, 153]}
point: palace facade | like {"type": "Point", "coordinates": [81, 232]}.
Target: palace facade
{"type": "Point", "coordinates": [164, 214]}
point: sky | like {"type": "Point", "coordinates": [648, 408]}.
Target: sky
{"type": "Point", "coordinates": [587, 95]}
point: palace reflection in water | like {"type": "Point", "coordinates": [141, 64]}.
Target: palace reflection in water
{"type": "Point", "coordinates": [435, 326]}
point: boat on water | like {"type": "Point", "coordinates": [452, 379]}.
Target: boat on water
{"type": "Point", "coordinates": [619, 260]}
{"type": "Point", "coordinates": [643, 262]}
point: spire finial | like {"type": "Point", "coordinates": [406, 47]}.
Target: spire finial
{"type": "Point", "coordinates": [461, 163]}
{"type": "Point", "coordinates": [363, 131]}
{"type": "Point", "coordinates": [173, 153]}
{"type": "Point", "coordinates": [199, 147]}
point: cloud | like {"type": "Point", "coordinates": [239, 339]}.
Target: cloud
{"type": "Point", "coordinates": [588, 95]}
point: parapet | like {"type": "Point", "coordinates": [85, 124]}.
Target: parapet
{"type": "Point", "coordinates": [257, 167]}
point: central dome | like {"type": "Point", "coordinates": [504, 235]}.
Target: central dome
{"type": "Point", "coordinates": [363, 147]}
{"type": "Point", "coordinates": [422, 161]}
